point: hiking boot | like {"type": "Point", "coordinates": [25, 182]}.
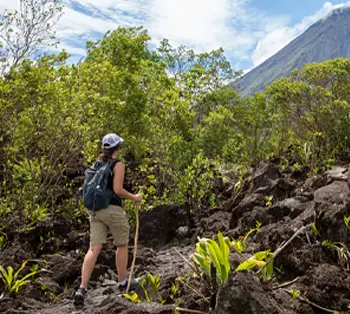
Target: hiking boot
{"type": "Point", "coordinates": [79, 296]}
{"type": "Point", "coordinates": [122, 288]}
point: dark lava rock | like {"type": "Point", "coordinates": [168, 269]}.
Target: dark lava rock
{"type": "Point", "coordinates": [280, 189]}
{"type": "Point", "coordinates": [64, 269]}
{"type": "Point", "coordinates": [335, 193]}
{"type": "Point", "coordinates": [244, 293]}
{"type": "Point", "coordinates": [265, 173]}
{"type": "Point", "coordinates": [158, 226]}
{"type": "Point", "coordinates": [327, 285]}
{"type": "Point", "coordinates": [247, 204]}
{"type": "Point", "coordinates": [218, 221]}
{"type": "Point", "coordinates": [106, 301]}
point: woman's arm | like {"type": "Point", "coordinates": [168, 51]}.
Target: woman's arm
{"type": "Point", "coordinates": [118, 181]}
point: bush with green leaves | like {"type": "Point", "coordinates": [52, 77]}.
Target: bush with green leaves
{"type": "Point", "coordinates": [177, 128]}
{"type": "Point", "coordinates": [196, 182]}
{"type": "Point", "coordinates": [54, 115]}
{"type": "Point", "coordinates": [313, 106]}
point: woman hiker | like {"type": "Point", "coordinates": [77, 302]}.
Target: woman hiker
{"type": "Point", "coordinates": [112, 218]}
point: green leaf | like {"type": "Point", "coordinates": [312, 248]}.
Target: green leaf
{"type": "Point", "coordinates": [295, 293]}
{"type": "Point", "coordinates": [261, 255]}
{"type": "Point", "coordinates": [6, 277]}
{"type": "Point", "coordinates": [203, 262]}
{"type": "Point", "coordinates": [269, 269]}
{"type": "Point", "coordinates": [19, 270]}
{"type": "Point", "coordinates": [216, 251]}
{"type": "Point", "coordinates": [132, 297]}
{"type": "Point", "coordinates": [247, 265]}
{"type": "Point", "coordinates": [28, 275]}
{"type": "Point", "coordinates": [17, 285]}
{"type": "Point", "coordinates": [238, 245]}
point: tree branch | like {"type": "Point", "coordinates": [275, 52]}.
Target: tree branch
{"type": "Point", "coordinates": [281, 248]}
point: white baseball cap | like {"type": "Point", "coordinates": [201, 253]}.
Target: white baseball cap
{"type": "Point", "coordinates": [111, 140]}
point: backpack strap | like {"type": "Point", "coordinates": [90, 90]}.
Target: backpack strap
{"type": "Point", "coordinates": [113, 162]}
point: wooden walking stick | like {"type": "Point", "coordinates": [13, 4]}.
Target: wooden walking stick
{"type": "Point", "coordinates": [135, 246]}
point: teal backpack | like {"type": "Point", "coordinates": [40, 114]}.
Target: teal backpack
{"type": "Point", "coordinates": [96, 195]}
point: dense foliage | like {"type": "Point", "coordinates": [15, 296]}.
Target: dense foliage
{"type": "Point", "coordinates": [174, 108]}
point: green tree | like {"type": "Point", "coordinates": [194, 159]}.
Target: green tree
{"type": "Point", "coordinates": [317, 118]}
{"type": "Point", "coordinates": [202, 78]}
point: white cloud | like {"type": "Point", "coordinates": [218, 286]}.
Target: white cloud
{"type": "Point", "coordinates": [8, 5]}
{"type": "Point", "coordinates": [89, 20]}
{"type": "Point", "coordinates": [76, 23]}
{"type": "Point", "coordinates": [244, 32]}
{"type": "Point", "coordinates": [200, 24]}
{"type": "Point", "coordinates": [210, 24]}
{"type": "Point", "coordinates": [70, 49]}
{"type": "Point", "coordinates": [341, 5]}
{"type": "Point", "coordinates": [276, 39]}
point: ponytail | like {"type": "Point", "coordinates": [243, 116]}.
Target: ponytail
{"type": "Point", "coordinates": [107, 153]}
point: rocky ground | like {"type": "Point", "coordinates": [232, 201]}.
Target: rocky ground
{"type": "Point", "coordinates": [168, 235]}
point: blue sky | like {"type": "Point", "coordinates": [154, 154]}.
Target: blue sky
{"type": "Point", "coordinates": [297, 9]}
{"type": "Point", "coordinates": [250, 31]}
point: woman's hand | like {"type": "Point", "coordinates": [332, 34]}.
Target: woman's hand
{"type": "Point", "coordinates": [137, 198]}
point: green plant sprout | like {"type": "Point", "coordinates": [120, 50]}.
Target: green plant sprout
{"type": "Point", "coordinates": [295, 294]}
{"type": "Point", "coordinates": [215, 255]}
{"type": "Point", "coordinates": [11, 280]}
{"type": "Point", "coordinates": [133, 297]}
{"type": "Point", "coordinates": [268, 200]}
{"type": "Point", "coordinates": [154, 283]}
{"type": "Point", "coordinates": [314, 229]}
{"type": "Point", "coordinates": [342, 252]}
{"type": "Point", "coordinates": [2, 239]}
{"type": "Point", "coordinates": [174, 290]}
{"type": "Point", "coordinates": [212, 254]}
{"type": "Point", "coordinates": [240, 244]}
{"type": "Point", "coordinates": [259, 260]}
{"type": "Point", "coordinates": [347, 221]}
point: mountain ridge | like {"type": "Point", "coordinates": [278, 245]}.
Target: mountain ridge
{"type": "Point", "coordinates": [326, 39]}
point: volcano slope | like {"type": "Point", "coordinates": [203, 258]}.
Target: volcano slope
{"type": "Point", "coordinates": [309, 276]}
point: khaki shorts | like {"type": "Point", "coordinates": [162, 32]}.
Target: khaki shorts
{"type": "Point", "coordinates": [113, 219]}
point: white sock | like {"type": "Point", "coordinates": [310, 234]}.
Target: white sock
{"type": "Point", "coordinates": [123, 283]}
